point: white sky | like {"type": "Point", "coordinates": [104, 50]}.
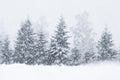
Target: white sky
{"type": "Point", "coordinates": [101, 12]}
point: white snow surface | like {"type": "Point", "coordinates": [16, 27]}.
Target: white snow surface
{"type": "Point", "coordinates": [102, 71]}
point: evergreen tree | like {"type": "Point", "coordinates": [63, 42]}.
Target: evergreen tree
{"type": "Point", "coordinates": [41, 49]}
{"type": "Point", "coordinates": [1, 59]}
{"type": "Point", "coordinates": [24, 49]}
{"type": "Point", "coordinates": [75, 57]}
{"type": "Point", "coordinates": [105, 46]}
{"type": "Point", "coordinates": [60, 46]}
{"type": "Point", "coordinates": [6, 52]}
{"type": "Point", "coordinates": [51, 53]}
{"type": "Point", "coordinates": [88, 57]}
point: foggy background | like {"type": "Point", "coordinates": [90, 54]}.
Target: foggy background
{"type": "Point", "coordinates": [101, 13]}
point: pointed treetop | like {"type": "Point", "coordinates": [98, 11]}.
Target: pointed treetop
{"type": "Point", "coordinates": [62, 22]}
{"type": "Point", "coordinates": [26, 23]}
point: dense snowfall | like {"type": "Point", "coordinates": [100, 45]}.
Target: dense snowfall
{"type": "Point", "coordinates": [62, 44]}
{"type": "Point", "coordinates": [33, 47]}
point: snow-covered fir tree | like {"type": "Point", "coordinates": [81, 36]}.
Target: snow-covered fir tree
{"type": "Point", "coordinates": [24, 49]}
{"type": "Point", "coordinates": [1, 44]}
{"type": "Point", "coordinates": [88, 57]}
{"type": "Point", "coordinates": [75, 57]}
{"type": "Point", "coordinates": [6, 52]}
{"type": "Point", "coordinates": [105, 46]}
{"type": "Point", "coordinates": [59, 45]}
{"type": "Point", "coordinates": [41, 49]}
{"type": "Point", "coordinates": [52, 52]}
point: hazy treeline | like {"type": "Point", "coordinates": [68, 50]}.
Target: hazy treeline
{"type": "Point", "coordinates": [33, 48]}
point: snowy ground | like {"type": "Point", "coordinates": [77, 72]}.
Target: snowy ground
{"type": "Point", "coordinates": [103, 71]}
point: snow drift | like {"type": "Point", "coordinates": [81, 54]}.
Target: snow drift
{"type": "Point", "coordinates": [104, 71]}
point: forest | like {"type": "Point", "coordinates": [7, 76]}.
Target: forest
{"type": "Point", "coordinates": [34, 48]}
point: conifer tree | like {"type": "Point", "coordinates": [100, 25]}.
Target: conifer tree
{"type": "Point", "coordinates": [105, 46]}
{"type": "Point", "coordinates": [75, 57]}
{"type": "Point", "coordinates": [51, 52]}
{"type": "Point", "coordinates": [41, 52]}
{"type": "Point", "coordinates": [6, 52]}
{"type": "Point", "coordinates": [59, 47]}
{"type": "Point", "coordinates": [24, 49]}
